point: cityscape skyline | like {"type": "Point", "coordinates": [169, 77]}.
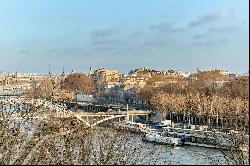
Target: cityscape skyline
{"type": "Point", "coordinates": [93, 82]}
{"type": "Point", "coordinates": [160, 35]}
{"type": "Point", "coordinates": [68, 71]}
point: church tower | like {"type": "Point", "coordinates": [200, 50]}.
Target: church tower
{"type": "Point", "coordinates": [90, 70]}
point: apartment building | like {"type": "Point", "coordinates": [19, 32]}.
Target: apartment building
{"type": "Point", "coordinates": [105, 79]}
{"type": "Point", "coordinates": [133, 81]}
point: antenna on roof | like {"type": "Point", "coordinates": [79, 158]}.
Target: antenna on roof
{"type": "Point", "coordinates": [49, 71]}
{"type": "Point", "coordinates": [16, 74]}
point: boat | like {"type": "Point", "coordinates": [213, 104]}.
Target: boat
{"type": "Point", "coordinates": [201, 138]}
{"type": "Point", "coordinates": [155, 137]}
{"type": "Point", "coordinates": [132, 126]}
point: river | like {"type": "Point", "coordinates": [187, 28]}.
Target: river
{"type": "Point", "coordinates": [180, 155]}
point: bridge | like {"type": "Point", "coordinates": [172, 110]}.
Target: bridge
{"type": "Point", "coordinates": [59, 111]}
{"type": "Point", "coordinates": [106, 116]}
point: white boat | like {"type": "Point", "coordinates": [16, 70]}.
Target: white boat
{"type": "Point", "coordinates": [155, 137]}
{"type": "Point", "coordinates": [202, 138]}
{"type": "Point", "coordinates": [134, 127]}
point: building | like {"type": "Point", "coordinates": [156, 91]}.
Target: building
{"type": "Point", "coordinates": [105, 79]}
{"type": "Point", "coordinates": [133, 81]}
{"type": "Point", "coordinates": [18, 83]}
{"type": "Point", "coordinates": [85, 99]}
{"type": "Point", "coordinates": [217, 76]}
{"type": "Point", "coordinates": [176, 74]}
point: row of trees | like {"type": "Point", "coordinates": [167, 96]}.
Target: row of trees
{"type": "Point", "coordinates": [205, 100]}
{"type": "Point", "coordinates": [212, 110]}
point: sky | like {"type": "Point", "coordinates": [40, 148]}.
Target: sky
{"type": "Point", "coordinates": [124, 35]}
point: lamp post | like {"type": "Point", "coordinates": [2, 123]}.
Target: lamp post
{"type": "Point", "coordinates": [127, 117]}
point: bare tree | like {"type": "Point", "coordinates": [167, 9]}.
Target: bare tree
{"type": "Point", "coordinates": [78, 83]}
{"type": "Point", "coordinates": [44, 90]}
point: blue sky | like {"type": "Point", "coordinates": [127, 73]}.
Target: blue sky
{"type": "Point", "coordinates": [123, 35]}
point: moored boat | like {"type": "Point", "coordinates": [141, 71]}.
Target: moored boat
{"type": "Point", "coordinates": [155, 137]}
{"type": "Point", "coordinates": [203, 138]}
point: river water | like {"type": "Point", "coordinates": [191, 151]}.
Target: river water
{"type": "Point", "coordinates": [188, 155]}
{"type": "Point", "coordinates": [180, 155]}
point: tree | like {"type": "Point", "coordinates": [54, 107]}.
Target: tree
{"type": "Point", "coordinates": [78, 83]}
{"type": "Point", "coordinates": [145, 94]}
{"type": "Point", "coordinates": [238, 87]}
{"type": "Point", "coordinates": [159, 101]}
{"type": "Point", "coordinates": [32, 93]}
{"type": "Point", "coordinates": [43, 91]}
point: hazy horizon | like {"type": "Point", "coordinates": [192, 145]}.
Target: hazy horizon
{"type": "Point", "coordinates": [124, 35]}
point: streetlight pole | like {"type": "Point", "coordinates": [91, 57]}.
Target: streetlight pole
{"type": "Point", "coordinates": [127, 114]}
